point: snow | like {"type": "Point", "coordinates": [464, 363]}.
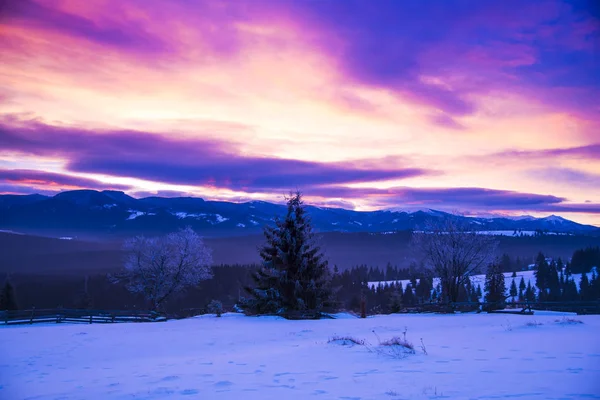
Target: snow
{"type": "Point", "coordinates": [528, 277]}
{"type": "Point", "coordinates": [240, 225]}
{"type": "Point", "coordinates": [217, 217]}
{"type": "Point", "coordinates": [554, 218]}
{"type": "Point", "coordinates": [470, 356]}
{"type": "Point", "coordinates": [11, 232]}
{"type": "Point", "coordinates": [220, 218]}
{"type": "Point", "coordinates": [507, 233]}
{"type": "Point", "coordinates": [182, 215]}
{"type": "Point", "coordinates": [134, 214]}
{"type": "Point", "coordinates": [65, 238]}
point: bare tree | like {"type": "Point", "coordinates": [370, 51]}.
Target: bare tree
{"type": "Point", "coordinates": [453, 251]}
{"type": "Point", "coordinates": [158, 267]}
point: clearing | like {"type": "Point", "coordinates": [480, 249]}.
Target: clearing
{"type": "Point", "coordinates": [470, 356]}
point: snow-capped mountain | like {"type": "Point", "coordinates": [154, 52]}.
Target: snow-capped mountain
{"type": "Point", "coordinates": [116, 212]}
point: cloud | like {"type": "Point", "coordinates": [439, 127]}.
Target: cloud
{"type": "Point", "coordinates": [442, 197]}
{"type": "Point", "coordinates": [160, 193]}
{"type": "Point", "coordinates": [207, 162]}
{"type": "Point", "coordinates": [590, 152]}
{"type": "Point", "coordinates": [130, 36]}
{"type": "Point", "coordinates": [53, 181]}
{"type": "Point", "coordinates": [450, 199]}
{"type": "Point", "coordinates": [569, 176]}
{"type": "Point", "coordinates": [447, 122]}
{"type": "Point", "coordinates": [6, 188]}
{"type": "Point", "coordinates": [537, 47]}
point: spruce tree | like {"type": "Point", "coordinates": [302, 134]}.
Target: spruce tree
{"type": "Point", "coordinates": [554, 285]}
{"type": "Point", "coordinates": [513, 290]}
{"type": "Point", "coordinates": [294, 278]}
{"type": "Point", "coordinates": [408, 298]}
{"type": "Point", "coordinates": [570, 291]}
{"type": "Point", "coordinates": [542, 276]}
{"type": "Point", "coordinates": [395, 303]}
{"type": "Point", "coordinates": [494, 286]}
{"type": "Point", "coordinates": [8, 300]}
{"type": "Point", "coordinates": [584, 288]}
{"type": "Point", "coordinates": [522, 288]}
{"type": "Point", "coordinates": [594, 286]}
{"type": "Point", "coordinates": [529, 293]}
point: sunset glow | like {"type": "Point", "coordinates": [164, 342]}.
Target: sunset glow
{"type": "Point", "coordinates": [473, 106]}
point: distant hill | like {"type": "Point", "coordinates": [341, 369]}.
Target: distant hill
{"type": "Point", "coordinates": [106, 214]}
{"type": "Point", "coordinates": [34, 254]}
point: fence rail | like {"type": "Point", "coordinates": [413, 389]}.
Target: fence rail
{"type": "Point", "coordinates": [579, 307]}
{"type": "Point", "coordinates": [77, 316]}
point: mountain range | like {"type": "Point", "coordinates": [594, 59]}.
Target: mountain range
{"type": "Point", "coordinates": [96, 213]}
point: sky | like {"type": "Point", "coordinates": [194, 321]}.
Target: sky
{"type": "Point", "coordinates": [479, 107]}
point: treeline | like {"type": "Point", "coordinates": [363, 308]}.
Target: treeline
{"type": "Point", "coordinates": [553, 282]}
{"type": "Point", "coordinates": [98, 292]}
{"type": "Point", "coordinates": [584, 259]}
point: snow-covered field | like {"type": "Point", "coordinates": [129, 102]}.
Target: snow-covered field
{"type": "Point", "coordinates": [470, 356]}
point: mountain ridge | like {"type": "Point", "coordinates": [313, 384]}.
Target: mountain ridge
{"type": "Point", "coordinates": [114, 212]}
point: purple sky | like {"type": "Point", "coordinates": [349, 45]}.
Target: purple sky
{"type": "Point", "coordinates": [478, 106]}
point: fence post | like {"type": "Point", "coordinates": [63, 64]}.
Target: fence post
{"type": "Point", "coordinates": [91, 317]}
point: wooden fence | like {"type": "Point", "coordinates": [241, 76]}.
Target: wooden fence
{"type": "Point", "coordinates": [77, 316]}
{"type": "Point", "coordinates": [525, 308]}
{"type": "Point", "coordinates": [59, 315]}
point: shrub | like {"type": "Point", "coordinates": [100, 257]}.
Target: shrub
{"type": "Point", "coordinates": [215, 307]}
{"type": "Point", "coordinates": [398, 341]}
{"type": "Point", "coordinates": [346, 340]}
{"type": "Point", "coordinates": [534, 323]}
{"type": "Point", "coordinates": [568, 321]}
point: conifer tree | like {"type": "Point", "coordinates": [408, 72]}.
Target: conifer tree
{"type": "Point", "coordinates": [494, 285]}
{"type": "Point", "coordinates": [529, 293]}
{"type": "Point", "coordinates": [522, 288]}
{"type": "Point", "coordinates": [513, 290]}
{"type": "Point", "coordinates": [570, 291]}
{"type": "Point", "coordinates": [584, 288]}
{"type": "Point", "coordinates": [294, 278]}
{"type": "Point", "coordinates": [479, 292]}
{"type": "Point", "coordinates": [594, 286]}
{"type": "Point", "coordinates": [8, 300]}
{"type": "Point", "coordinates": [542, 276]}
{"type": "Point", "coordinates": [423, 289]}
{"type": "Point", "coordinates": [408, 297]}
{"type": "Point", "coordinates": [395, 304]}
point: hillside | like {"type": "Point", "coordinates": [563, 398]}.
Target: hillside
{"type": "Point", "coordinates": [34, 254]}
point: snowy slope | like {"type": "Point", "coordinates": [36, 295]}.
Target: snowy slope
{"type": "Point", "coordinates": [528, 277]}
{"type": "Point", "coordinates": [470, 356]}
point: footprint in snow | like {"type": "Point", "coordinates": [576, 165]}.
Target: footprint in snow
{"type": "Point", "coordinates": [574, 370]}
{"type": "Point", "coordinates": [188, 392]}
{"type": "Point", "coordinates": [169, 378]}
{"type": "Point", "coordinates": [223, 384]}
